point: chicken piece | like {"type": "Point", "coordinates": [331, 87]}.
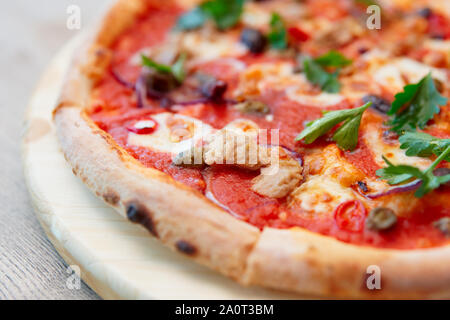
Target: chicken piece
{"type": "Point", "coordinates": [237, 144]}
{"type": "Point", "coordinates": [280, 178]}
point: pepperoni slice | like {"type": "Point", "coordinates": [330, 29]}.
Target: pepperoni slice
{"type": "Point", "coordinates": [350, 216]}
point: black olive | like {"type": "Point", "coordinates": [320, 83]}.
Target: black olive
{"type": "Point", "coordinates": [439, 172]}
{"type": "Point", "coordinates": [363, 186]}
{"type": "Point", "coordinates": [381, 219]}
{"type": "Point", "coordinates": [378, 103]}
{"type": "Point", "coordinates": [438, 36]}
{"type": "Point", "coordinates": [443, 225]}
{"type": "Point", "coordinates": [425, 12]}
{"type": "Point", "coordinates": [212, 88]}
{"type": "Point", "coordinates": [158, 83]}
{"type": "Point", "coordinates": [254, 40]}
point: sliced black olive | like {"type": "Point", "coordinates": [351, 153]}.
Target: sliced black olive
{"type": "Point", "coordinates": [438, 36]}
{"type": "Point", "coordinates": [254, 40]}
{"type": "Point", "coordinates": [440, 172]}
{"type": "Point", "coordinates": [425, 12]}
{"type": "Point", "coordinates": [443, 225]}
{"type": "Point", "coordinates": [160, 83]}
{"type": "Point", "coordinates": [378, 103]}
{"type": "Point", "coordinates": [363, 186]}
{"type": "Point", "coordinates": [211, 87]}
{"type": "Point", "coordinates": [251, 106]}
{"type": "Point", "coordinates": [381, 219]}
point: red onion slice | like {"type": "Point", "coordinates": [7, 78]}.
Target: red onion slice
{"type": "Point", "coordinates": [121, 80]}
{"type": "Point", "coordinates": [397, 189]}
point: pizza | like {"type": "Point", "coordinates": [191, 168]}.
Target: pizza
{"type": "Point", "coordinates": [293, 145]}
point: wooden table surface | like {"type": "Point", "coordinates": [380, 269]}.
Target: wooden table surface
{"type": "Point", "coordinates": [32, 32]}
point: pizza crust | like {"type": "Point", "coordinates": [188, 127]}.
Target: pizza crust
{"type": "Point", "coordinates": [294, 260]}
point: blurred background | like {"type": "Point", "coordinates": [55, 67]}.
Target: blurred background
{"type": "Point", "coordinates": [31, 34]}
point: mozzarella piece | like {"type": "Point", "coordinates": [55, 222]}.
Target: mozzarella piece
{"type": "Point", "coordinates": [162, 138]}
{"type": "Point", "coordinates": [256, 16]}
{"type": "Point", "coordinates": [258, 77]}
{"type": "Point", "coordinates": [374, 140]}
{"type": "Point", "coordinates": [321, 100]}
{"type": "Point", "coordinates": [320, 195]}
{"type": "Point", "coordinates": [206, 48]}
{"type": "Point", "coordinates": [392, 75]}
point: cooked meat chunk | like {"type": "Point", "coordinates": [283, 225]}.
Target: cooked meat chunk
{"type": "Point", "coordinates": [278, 179]}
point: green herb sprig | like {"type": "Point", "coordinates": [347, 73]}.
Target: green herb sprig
{"type": "Point", "coordinates": [415, 106]}
{"type": "Point", "coordinates": [277, 36]}
{"type": "Point", "coordinates": [316, 74]}
{"type": "Point", "coordinates": [225, 13]}
{"type": "Point", "coordinates": [346, 136]}
{"type": "Point", "coordinates": [398, 174]}
{"type": "Point", "coordinates": [177, 69]}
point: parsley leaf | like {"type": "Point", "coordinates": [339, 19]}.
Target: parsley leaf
{"type": "Point", "coordinates": [423, 145]}
{"type": "Point", "coordinates": [316, 74]}
{"type": "Point", "coordinates": [278, 34]}
{"type": "Point", "coordinates": [177, 69]}
{"type": "Point", "coordinates": [397, 174]}
{"type": "Point", "coordinates": [333, 59]}
{"type": "Point", "coordinates": [346, 136]}
{"type": "Point", "coordinates": [415, 106]}
{"type": "Point", "coordinates": [225, 13]}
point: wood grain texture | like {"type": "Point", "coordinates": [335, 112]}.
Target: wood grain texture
{"type": "Point", "coordinates": [118, 259]}
{"type": "Point", "coordinates": [32, 31]}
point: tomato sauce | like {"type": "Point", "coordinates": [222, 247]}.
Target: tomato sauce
{"type": "Point", "coordinates": [114, 108]}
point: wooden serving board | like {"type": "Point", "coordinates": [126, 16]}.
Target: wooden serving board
{"type": "Point", "coordinates": [118, 259]}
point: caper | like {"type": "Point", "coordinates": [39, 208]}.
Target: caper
{"type": "Point", "coordinates": [252, 106]}
{"type": "Point", "coordinates": [254, 40]}
{"type": "Point", "coordinates": [381, 219]}
{"type": "Point", "coordinates": [378, 103]}
{"type": "Point", "coordinates": [443, 225]}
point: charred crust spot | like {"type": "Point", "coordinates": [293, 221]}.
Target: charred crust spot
{"type": "Point", "coordinates": [111, 198]}
{"type": "Point", "coordinates": [137, 213]}
{"type": "Point", "coordinates": [186, 248]}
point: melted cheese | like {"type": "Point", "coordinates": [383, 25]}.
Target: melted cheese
{"type": "Point", "coordinates": [162, 139]}
{"type": "Point", "coordinates": [255, 16]}
{"type": "Point", "coordinates": [213, 46]}
{"type": "Point", "coordinates": [373, 137]}
{"type": "Point", "coordinates": [320, 194]}
{"type": "Point", "coordinates": [392, 75]}
{"type": "Point", "coordinates": [321, 100]}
